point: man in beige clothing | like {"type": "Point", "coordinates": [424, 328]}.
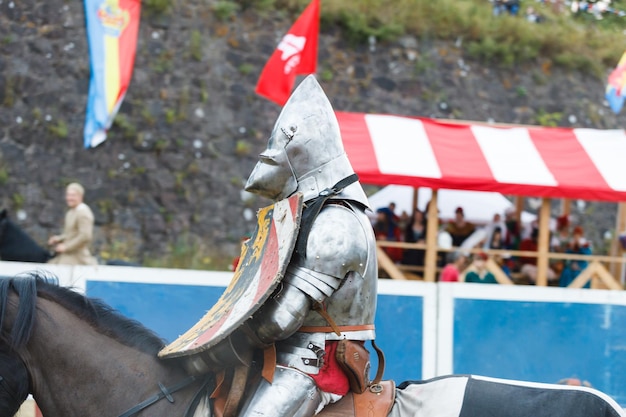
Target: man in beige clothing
{"type": "Point", "coordinates": [72, 247]}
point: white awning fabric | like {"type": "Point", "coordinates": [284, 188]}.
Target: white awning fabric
{"type": "Point", "coordinates": [587, 164]}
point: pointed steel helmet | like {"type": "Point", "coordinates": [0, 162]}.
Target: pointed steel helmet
{"type": "Point", "coordinates": [304, 152]}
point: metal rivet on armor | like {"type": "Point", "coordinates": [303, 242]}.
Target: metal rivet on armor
{"type": "Point", "coordinates": [319, 170]}
{"type": "Point", "coordinates": [310, 346]}
{"type": "Point", "coordinates": [306, 361]}
{"type": "Point", "coordinates": [317, 257]}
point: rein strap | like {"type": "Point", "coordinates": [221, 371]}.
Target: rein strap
{"type": "Point", "coordinates": [165, 393]}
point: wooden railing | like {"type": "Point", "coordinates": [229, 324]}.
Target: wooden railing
{"type": "Point", "coordinates": [596, 267]}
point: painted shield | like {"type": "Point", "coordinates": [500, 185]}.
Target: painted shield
{"type": "Point", "coordinates": [263, 261]}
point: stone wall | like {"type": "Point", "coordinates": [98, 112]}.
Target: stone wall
{"type": "Point", "coordinates": [170, 175]}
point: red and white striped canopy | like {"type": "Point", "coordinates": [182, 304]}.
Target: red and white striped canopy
{"type": "Point", "coordinates": [584, 164]}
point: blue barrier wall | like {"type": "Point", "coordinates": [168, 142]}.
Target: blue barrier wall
{"type": "Point", "coordinates": [171, 309]}
{"type": "Point", "coordinates": [399, 333]}
{"type": "Point", "coordinates": [542, 341]}
{"type": "Point", "coordinates": [426, 329]}
{"type": "Point", "coordinates": [167, 309]}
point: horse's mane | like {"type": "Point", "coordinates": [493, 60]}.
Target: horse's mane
{"type": "Point", "coordinates": [14, 383]}
{"type": "Point", "coordinates": [100, 315]}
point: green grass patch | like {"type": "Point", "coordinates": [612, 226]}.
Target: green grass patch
{"type": "Point", "coordinates": [573, 42]}
{"type": "Point", "coordinates": [225, 10]}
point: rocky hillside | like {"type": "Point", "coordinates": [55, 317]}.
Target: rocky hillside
{"type": "Point", "coordinates": [167, 184]}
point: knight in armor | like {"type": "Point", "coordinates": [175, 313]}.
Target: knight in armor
{"type": "Point", "coordinates": [327, 297]}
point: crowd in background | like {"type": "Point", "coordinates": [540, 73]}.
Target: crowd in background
{"type": "Point", "coordinates": [597, 8]}
{"type": "Point", "coordinates": [503, 232]}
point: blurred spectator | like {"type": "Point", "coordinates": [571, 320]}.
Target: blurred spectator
{"type": "Point", "coordinates": [415, 232]}
{"type": "Point", "coordinates": [459, 229]}
{"type": "Point", "coordinates": [452, 270]}
{"type": "Point", "coordinates": [596, 8]}
{"type": "Point", "coordinates": [386, 224]}
{"type": "Point", "coordinates": [513, 231]}
{"type": "Point", "coordinates": [529, 263]}
{"type": "Point", "coordinates": [478, 272]}
{"type": "Point", "coordinates": [561, 239]}
{"type": "Point", "coordinates": [505, 6]}
{"type": "Point", "coordinates": [575, 382]}
{"type": "Point", "coordinates": [72, 247]}
{"type": "Point", "coordinates": [580, 246]}
{"type": "Point", "coordinates": [532, 16]}
{"type": "Point", "coordinates": [559, 242]}
{"type": "Point", "coordinates": [496, 241]}
{"type": "Point", "coordinates": [497, 224]}
{"type": "Point", "coordinates": [498, 7]}
{"type": "Point", "coordinates": [386, 228]}
{"type": "Point", "coordinates": [558, 6]}
{"type": "Point", "coordinates": [404, 220]}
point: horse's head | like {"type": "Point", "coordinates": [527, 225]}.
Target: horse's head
{"type": "Point", "coordinates": [16, 245]}
{"type": "Point", "coordinates": [53, 339]}
{"type": "Point", "coordinates": [14, 382]}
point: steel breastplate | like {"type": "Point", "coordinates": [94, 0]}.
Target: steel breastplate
{"type": "Point", "coordinates": [353, 304]}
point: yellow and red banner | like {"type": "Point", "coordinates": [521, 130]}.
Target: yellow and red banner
{"type": "Point", "coordinates": [616, 86]}
{"type": "Point", "coordinates": [112, 27]}
{"type": "Point", "coordinates": [264, 260]}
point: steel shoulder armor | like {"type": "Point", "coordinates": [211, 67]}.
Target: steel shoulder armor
{"type": "Point", "coordinates": [339, 270]}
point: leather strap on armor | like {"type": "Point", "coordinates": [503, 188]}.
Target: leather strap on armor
{"type": "Point", "coordinates": [381, 365]}
{"type": "Point", "coordinates": [320, 310]}
{"type": "Point", "coordinates": [229, 391]}
{"type": "Point", "coordinates": [269, 363]}
{"type": "Point", "coordinates": [314, 207]}
{"type": "Point", "coordinates": [381, 356]}
{"type": "Point", "coordinates": [332, 326]}
{"type": "Point", "coordinates": [328, 329]}
{"type": "Point", "coordinates": [237, 389]}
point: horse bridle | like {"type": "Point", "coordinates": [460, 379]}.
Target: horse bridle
{"type": "Point", "coordinates": [166, 392]}
{"type": "Point", "coordinates": [9, 390]}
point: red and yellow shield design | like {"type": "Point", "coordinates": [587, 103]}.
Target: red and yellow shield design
{"type": "Point", "coordinates": [263, 261]}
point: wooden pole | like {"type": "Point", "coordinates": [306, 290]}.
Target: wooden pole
{"type": "Point", "coordinates": [519, 207]}
{"type": "Point", "coordinates": [543, 245]}
{"type": "Point", "coordinates": [385, 262]}
{"type": "Point", "coordinates": [620, 228]}
{"type": "Point", "coordinates": [415, 200]}
{"type": "Point", "coordinates": [566, 206]}
{"type": "Point", "coordinates": [432, 228]}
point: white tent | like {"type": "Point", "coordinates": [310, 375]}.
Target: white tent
{"type": "Point", "coordinates": [479, 206]}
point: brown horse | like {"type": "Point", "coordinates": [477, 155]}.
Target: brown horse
{"type": "Point", "coordinates": [78, 357]}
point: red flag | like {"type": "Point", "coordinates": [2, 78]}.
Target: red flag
{"type": "Point", "coordinates": [296, 54]}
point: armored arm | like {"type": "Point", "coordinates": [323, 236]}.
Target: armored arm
{"type": "Point", "coordinates": [337, 245]}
